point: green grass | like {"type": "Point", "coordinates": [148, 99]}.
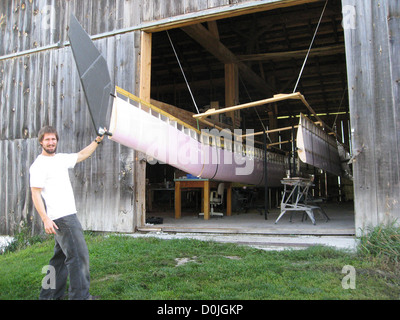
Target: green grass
{"type": "Point", "coordinates": [383, 243]}
{"type": "Point", "coordinates": [146, 268]}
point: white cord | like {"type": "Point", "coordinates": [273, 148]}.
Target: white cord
{"type": "Point", "coordinates": [309, 49]}
{"type": "Point", "coordinates": [183, 73]}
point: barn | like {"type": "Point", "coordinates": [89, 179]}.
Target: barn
{"type": "Point", "coordinates": [183, 55]}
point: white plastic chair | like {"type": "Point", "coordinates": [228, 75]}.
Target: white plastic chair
{"type": "Point", "coordinates": [216, 199]}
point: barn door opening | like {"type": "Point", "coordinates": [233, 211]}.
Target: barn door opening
{"type": "Point", "coordinates": [238, 58]}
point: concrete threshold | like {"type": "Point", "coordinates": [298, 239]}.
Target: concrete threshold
{"type": "Point", "coordinates": [260, 241]}
{"type": "Point", "coordinates": [248, 230]}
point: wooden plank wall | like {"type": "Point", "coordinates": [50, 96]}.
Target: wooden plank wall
{"type": "Point", "coordinates": [159, 9]}
{"type": "Point", "coordinates": [372, 31]}
{"type": "Point", "coordinates": [43, 88]}
{"type": "Point", "coordinates": [164, 9]}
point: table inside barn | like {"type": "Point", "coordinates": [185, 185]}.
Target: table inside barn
{"type": "Point", "coordinates": [205, 185]}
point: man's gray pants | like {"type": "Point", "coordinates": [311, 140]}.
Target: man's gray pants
{"type": "Point", "coordinates": [71, 258]}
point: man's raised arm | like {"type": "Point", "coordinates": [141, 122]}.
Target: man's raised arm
{"type": "Point", "coordinates": [87, 152]}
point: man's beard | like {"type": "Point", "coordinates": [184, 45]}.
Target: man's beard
{"type": "Point", "coordinates": [50, 151]}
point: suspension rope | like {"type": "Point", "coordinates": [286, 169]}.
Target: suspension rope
{"type": "Point", "coordinates": [309, 49]}
{"type": "Point", "coordinates": [183, 73]}
{"type": "Point", "coordinates": [340, 106]}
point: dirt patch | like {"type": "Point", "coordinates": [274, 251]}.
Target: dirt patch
{"type": "Point", "coordinates": [108, 277]}
{"type": "Point", "coordinates": [182, 261]}
{"type": "Point", "coordinates": [233, 257]}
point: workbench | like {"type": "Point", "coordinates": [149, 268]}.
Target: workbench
{"type": "Point", "coordinates": [204, 185]}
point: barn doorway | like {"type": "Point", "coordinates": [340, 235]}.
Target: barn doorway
{"type": "Point", "coordinates": [189, 73]}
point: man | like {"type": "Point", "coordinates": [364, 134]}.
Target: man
{"type": "Point", "coordinates": [49, 180]}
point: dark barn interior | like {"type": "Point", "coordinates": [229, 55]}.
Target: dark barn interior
{"type": "Point", "coordinates": [270, 48]}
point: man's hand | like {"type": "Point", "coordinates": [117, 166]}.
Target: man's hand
{"type": "Point", "coordinates": [49, 226]}
{"type": "Point", "coordinates": [99, 138]}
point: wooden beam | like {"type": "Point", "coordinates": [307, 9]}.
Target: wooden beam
{"type": "Point", "coordinates": [223, 54]}
{"type": "Point", "coordinates": [276, 98]}
{"type": "Point", "coordinates": [145, 66]}
{"type": "Point", "coordinates": [273, 130]}
{"type": "Point", "coordinates": [232, 91]}
{"type": "Point", "coordinates": [213, 28]}
{"type": "Point", "coordinates": [214, 105]}
{"type": "Point", "coordinates": [187, 116]}
{"type": "Point", "coordinates": [144, 94]}
{"type": "Point", "coordinates": [177, 200]}
{"type": "Point", "coordinates": [285, 55]}
{"type": "Point", "coordinates": [278, 143]}
{"type": "Point", "coordinates": [269, 131]}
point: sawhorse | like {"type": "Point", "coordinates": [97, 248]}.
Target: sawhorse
{"type": "Point", "coordinates": [299, 189]}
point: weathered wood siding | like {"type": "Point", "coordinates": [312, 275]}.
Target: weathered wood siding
{"type": "Point", "coordinates": [178, 12]}
{"type": "Point", "coordinates": [42, 88]}
{"type": "Point", "coordinates": [372, 37]}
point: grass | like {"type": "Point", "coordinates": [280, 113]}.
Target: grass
{"type": "Point", "coordinates": [127, 268]}
{"type": "Point", "coordinates": [383, 243]}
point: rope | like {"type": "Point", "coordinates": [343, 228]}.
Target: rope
{"type": "Point", "coordinates": [183, 73]}
{"type": "Point", "coordinates": [340, 106]}
{"type": "Point", "coordinates": [309, 49]}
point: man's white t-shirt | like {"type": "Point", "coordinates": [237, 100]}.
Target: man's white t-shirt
{"type": "Point", "coordinates": [51, 174]}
